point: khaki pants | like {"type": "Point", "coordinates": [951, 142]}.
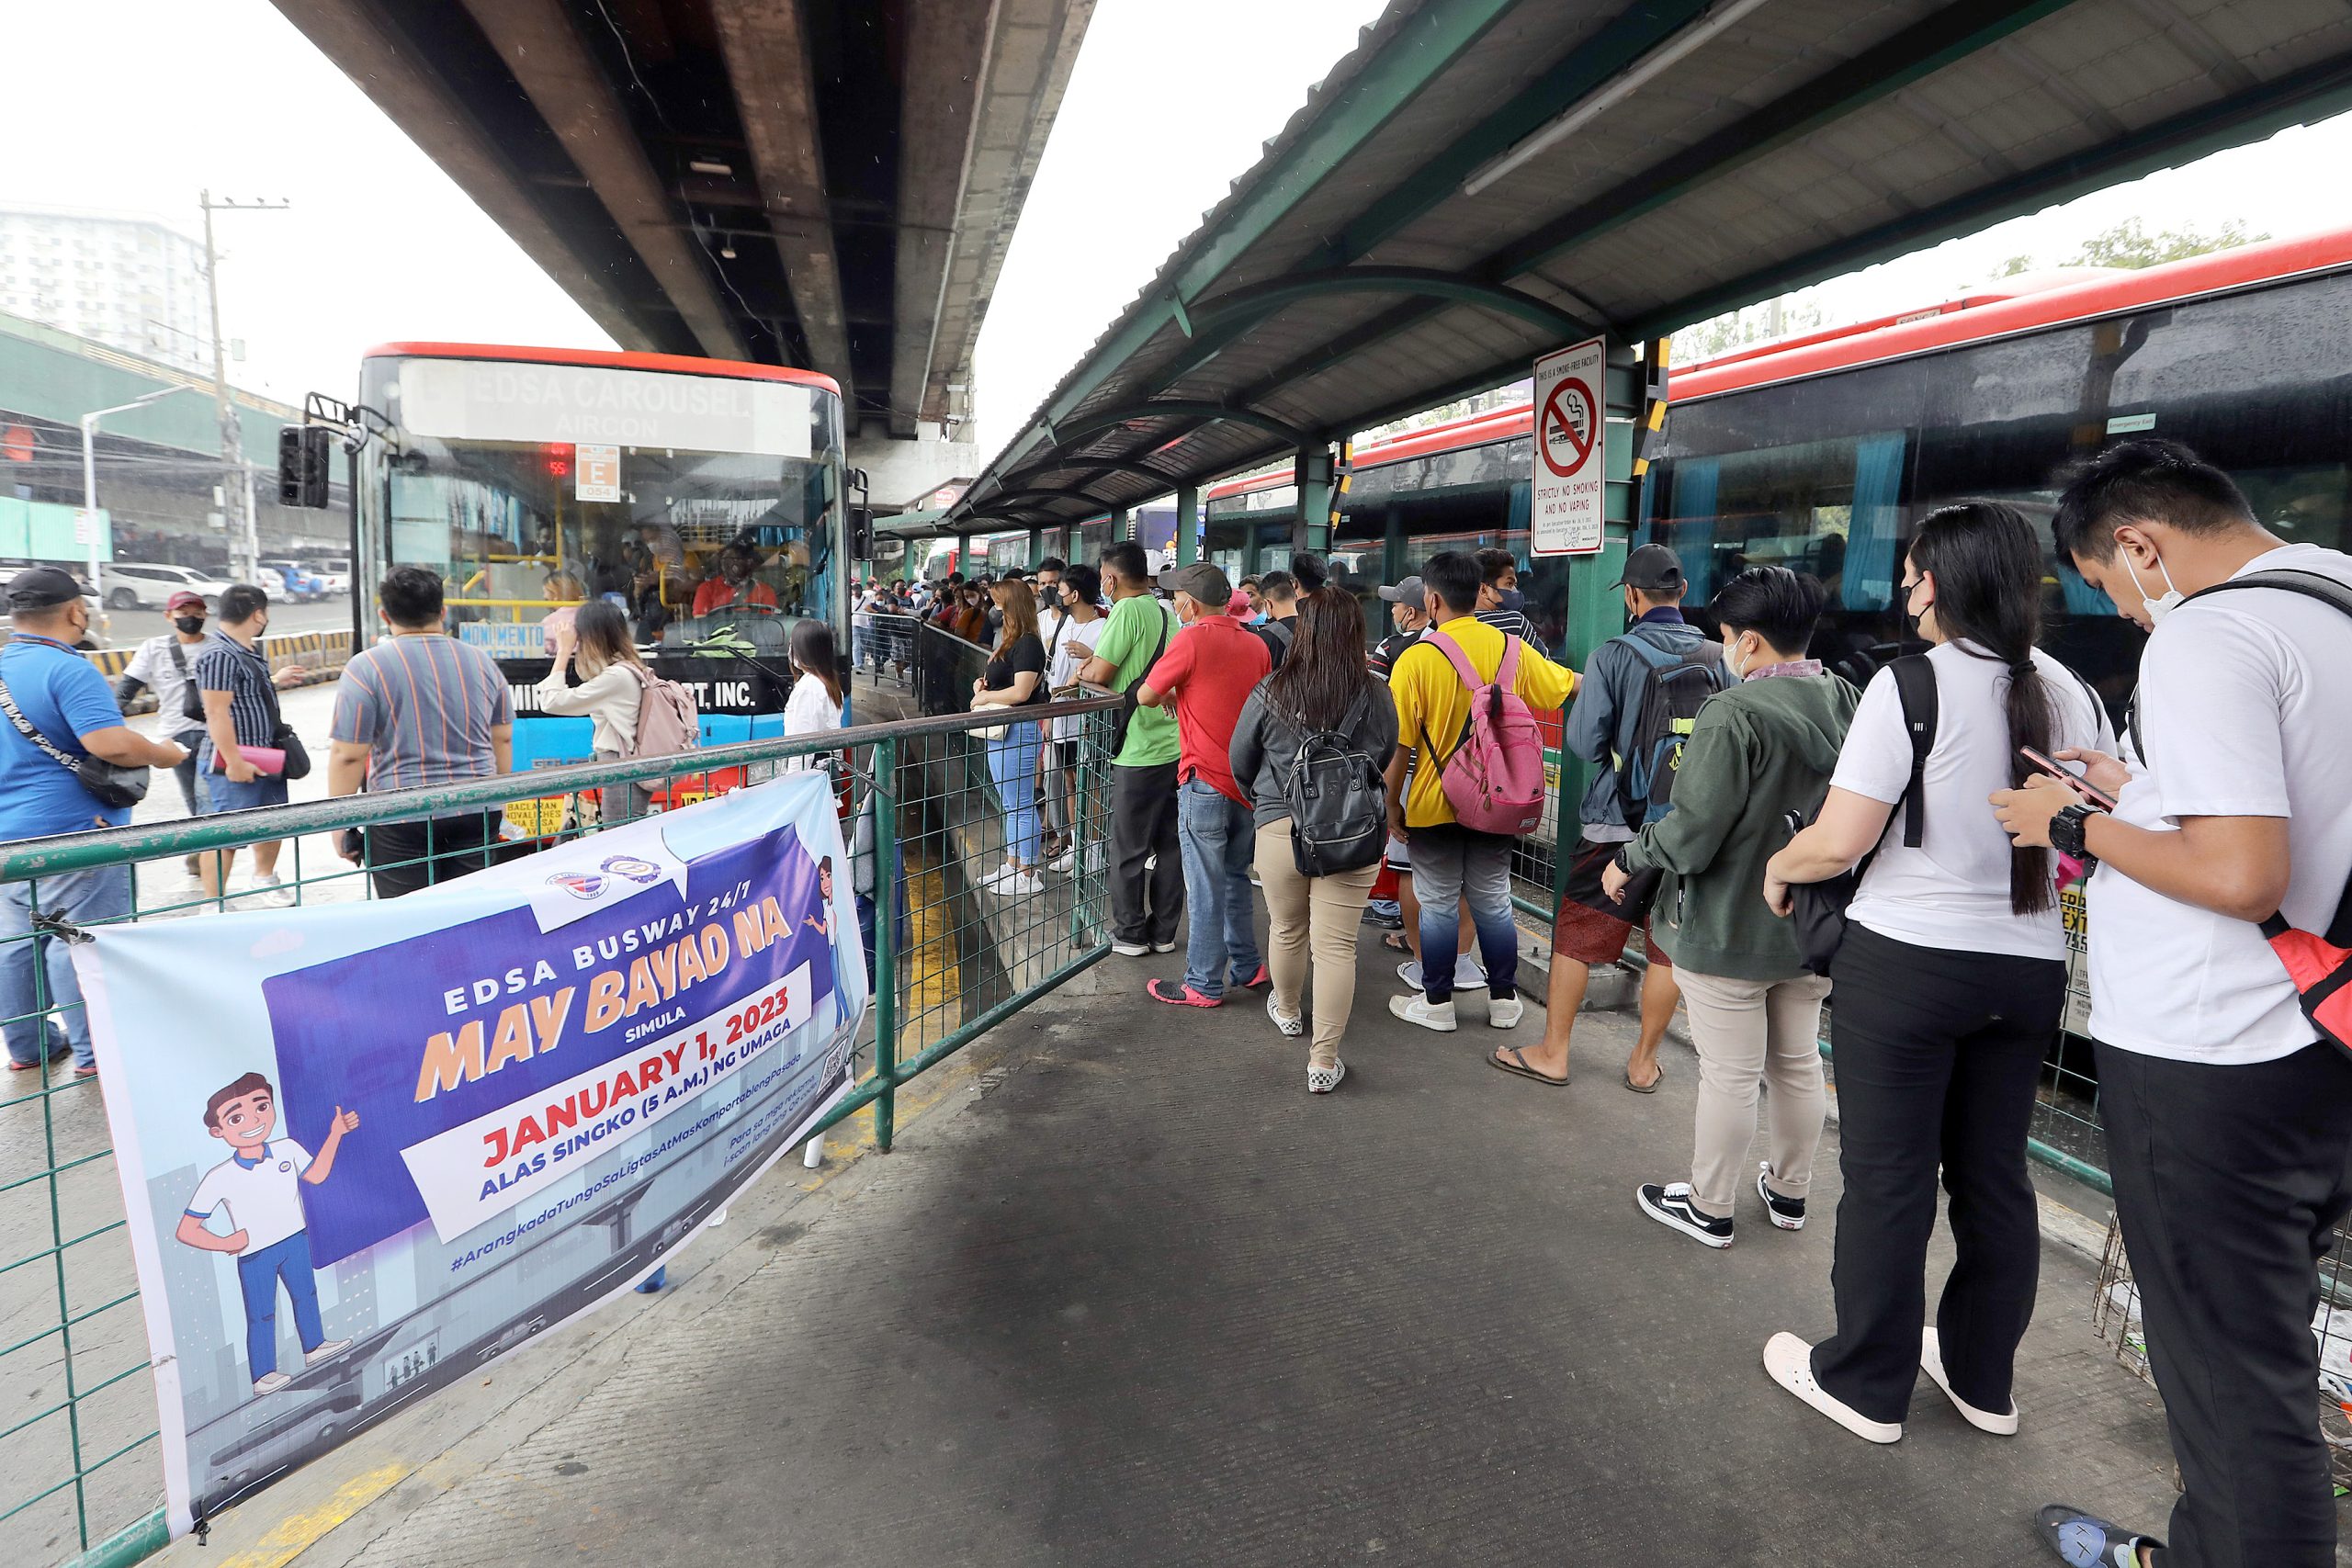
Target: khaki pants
{"type": "Point", "coordinates": [1323, 912]}
{"type": "Point", "coordinates": [1750, 1032]}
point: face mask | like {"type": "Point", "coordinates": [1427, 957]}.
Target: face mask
{"type": "Point", "coordinates": [1738, 671]}
{"type": "Point", "coordinates": [2164, 605]}
{"type": "Point", "coordinates": [191, 625]}
{"type": "Point", "coordinates": [1512, 599]}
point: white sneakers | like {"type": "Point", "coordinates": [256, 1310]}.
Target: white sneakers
{"type": "Point", "coordinates": [1506, 1013]}
{"type": "Point", "coordinates": [1009, 881]}
{"type": "Point", "coordinates": [1323, 1081]}
{"type": "Point", "coordinates": [1788, 1360]}
{"type": "Point", "coordinates": [327, 1351]}
{"type": "Point", "coordinates": [1292, 1024]}
{"type": "Point", "coordinates": [1418, 1008]}
{"type": "Point", "coordinates": [1931, 1361]}
{"type": "Point", "coordinates": [1064, 862]}
{"type": "Point", "coordinates": [1130, 949]}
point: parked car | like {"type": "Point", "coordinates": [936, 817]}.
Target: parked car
{"type": "Point", "coordinates": [335, 573]}
{"type": "Point", "coordinates": [303, 585]}
{"type": "Point", "coordinates": [138, 585]}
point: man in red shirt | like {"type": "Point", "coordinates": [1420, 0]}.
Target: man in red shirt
{"type": "Point", "coordinates": [734, 584]}
{"type": "Point", "coordinates": [1208, 671]}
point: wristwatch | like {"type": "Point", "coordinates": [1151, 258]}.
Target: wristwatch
{"type": "Point", "coordinates": [2066, 829]}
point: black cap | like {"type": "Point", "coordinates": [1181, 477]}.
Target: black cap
{"type": "Point", "coordinates": [38, 588]}
{"type": "Point", "coordinates": [1653, 569]}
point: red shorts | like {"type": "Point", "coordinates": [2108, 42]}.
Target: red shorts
{"type": "Point", "coordinates": [1591, 928]}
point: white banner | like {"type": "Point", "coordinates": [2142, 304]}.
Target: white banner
{"type": "Point", "coordinates": [483, 400]}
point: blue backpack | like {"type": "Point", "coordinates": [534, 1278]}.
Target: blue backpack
{"type": "Point", "coordinates": [1674, 682]}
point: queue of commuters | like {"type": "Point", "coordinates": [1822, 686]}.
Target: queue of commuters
{"type": "Point", "coordinates": [1781, 839]}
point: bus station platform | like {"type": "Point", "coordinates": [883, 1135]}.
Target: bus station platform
{"type": "Point", "coordinates": [1124, 1292]}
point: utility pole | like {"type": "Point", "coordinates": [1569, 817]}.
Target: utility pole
{"type": "Point", "coordinates": [236, 509]}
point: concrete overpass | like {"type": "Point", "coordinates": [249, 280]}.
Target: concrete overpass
{"type": "Point", "coordinates": [829, 184]}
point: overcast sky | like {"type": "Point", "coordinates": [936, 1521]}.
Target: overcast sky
{"type": "Point", "coordinates": [133, 105]}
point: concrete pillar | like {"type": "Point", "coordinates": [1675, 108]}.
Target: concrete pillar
{"type": "Point", "coordinates": [1188, 525]}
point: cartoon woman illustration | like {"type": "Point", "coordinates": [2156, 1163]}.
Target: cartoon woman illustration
{"type": "Point", "coordinates": [822, 924]}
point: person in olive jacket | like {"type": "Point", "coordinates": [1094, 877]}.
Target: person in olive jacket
{"type": "Point", "coordinates": [1761, 749]}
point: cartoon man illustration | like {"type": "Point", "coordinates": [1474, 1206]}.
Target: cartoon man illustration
{"type": "Point", "coordinates": [258, 1182]}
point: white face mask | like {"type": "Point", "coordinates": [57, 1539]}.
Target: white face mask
{"type": "Point", "coordinates": [2164, 604]}
{"type": "Point", "coordinates": [1731, 656]}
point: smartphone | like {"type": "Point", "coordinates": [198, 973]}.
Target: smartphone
{"type": "Point", "coordinates": [2072, 777]}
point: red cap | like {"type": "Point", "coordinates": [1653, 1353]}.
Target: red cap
{"type": "Point", "coordinates": [182, 599]}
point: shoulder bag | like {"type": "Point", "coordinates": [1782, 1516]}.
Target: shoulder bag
{"type": "Point", "coordinates": [1819, 907]}
{"type": "Point", "coordinates": [109, 782]}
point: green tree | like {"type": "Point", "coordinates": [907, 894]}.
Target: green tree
{"type": "Point", "coordinates": [2128, 245]}
{"type": "Point", "coordinates": [2013, 267]}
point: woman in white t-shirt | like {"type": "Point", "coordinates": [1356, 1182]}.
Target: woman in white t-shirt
{"type": "Point", "coordinates": [1950, 986]}
{"type": "Point", "coordinates": [815, 706]}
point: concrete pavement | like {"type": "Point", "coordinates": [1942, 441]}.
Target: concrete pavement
{"type": "Point", "coordinates": [1127, 1294]}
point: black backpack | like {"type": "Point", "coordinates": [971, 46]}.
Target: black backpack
{"type": "Point", "coordinates": [1338, 799]}
{"type": "Point", "coordinates": [1673, 686]}
{"type": "Point", "coordinates": [1277, 636]}
{"type": "Point", "coordinates": [1819, 907]}
{"type": "Point", "coordinates": [1127, 698]}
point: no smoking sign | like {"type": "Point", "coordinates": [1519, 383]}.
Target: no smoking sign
{"type": "Point", "coordinates": [1568, 499]}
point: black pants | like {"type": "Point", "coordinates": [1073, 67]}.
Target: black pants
{"type": "Point", "coordinates": [1937, 1056]}
{"type": "Point", "coordinates": [1146, 906]}
{"type": "Point", "coordinates": [406, 856]}
{"type": "Point", "coordinates": [2229, 1182]}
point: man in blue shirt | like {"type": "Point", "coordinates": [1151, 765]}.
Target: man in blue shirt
{"type": "Point", "coordinates": [63, 697]}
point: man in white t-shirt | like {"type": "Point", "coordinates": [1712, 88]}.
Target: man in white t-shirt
{"type": "Point", "coordinates": [261, 1186]}
{"type": "Point", "coordinates": [2229, 1121]}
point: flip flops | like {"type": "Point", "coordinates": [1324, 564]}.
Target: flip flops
{"type": "Point", "coordinates": [1649, 1088]}
{"type": "Point", "coordinates": [1518, 1064]}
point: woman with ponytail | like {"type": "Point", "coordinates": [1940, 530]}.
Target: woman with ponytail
{"type": "Point", "coordinates": [1950, 986]}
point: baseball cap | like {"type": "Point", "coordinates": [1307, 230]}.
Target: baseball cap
{"type": "Point", "coordinates": [1203, 579]}
{"type": "Point", "coordinates": [1652, 568]}
{"type": "Point", "coordinates": [183, 599]}
{"type": "Point", "coordinates": [1238, 604]}
{"type": "Point", "coordinates": [1408, 591]}
{"type": "Point", "coordinates": [37, 587]}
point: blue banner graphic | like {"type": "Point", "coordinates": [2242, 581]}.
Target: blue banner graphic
{"type": "Point", "coordinates": [367, 1147]}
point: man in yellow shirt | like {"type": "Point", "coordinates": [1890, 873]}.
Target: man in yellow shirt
{"type": "Point", "coordinates": [1460, 865]}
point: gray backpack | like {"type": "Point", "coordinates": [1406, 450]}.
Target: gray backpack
{"type": "Point", "coordinates": [1337, 800]}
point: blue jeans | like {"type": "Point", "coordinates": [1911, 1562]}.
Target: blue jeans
{"type": "Point", "coordinates": [1452, 865]}
{"type": "Point", "coordinates": [258, 1273]}
{"type": "Point", "coordinates": [225, 794]}
{"type": "Point", "coordinates": [1218, 837]}
{"type": "Point", "coordinates": [82, 896]}
{"type": "Point", "coordinates": [1012, 763]}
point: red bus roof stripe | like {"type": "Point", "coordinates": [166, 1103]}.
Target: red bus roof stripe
{"type": "Point", "coordinates": [670, 364]}
{"type": "Point", "coordinates": [1990, 313]}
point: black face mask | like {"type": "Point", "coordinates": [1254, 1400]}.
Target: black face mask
{"type": "Point", "coordinates": [191, 625]}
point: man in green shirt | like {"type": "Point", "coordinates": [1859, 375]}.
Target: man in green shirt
{"type": "Point", "coordinates": [1147, 893]}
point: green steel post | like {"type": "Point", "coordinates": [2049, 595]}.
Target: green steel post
{"type": "Point", "coordinates": [1311, 472]}
{"type": "Point", "coordinates": [1122, 524]}
{"type": "Point", "coordinates": [886, 946]}
{"type": "Point", "coordinates": [1037, 548]}
{"type": "Point", "coordinates": [1188, 525]}
{"type": "Point", "coordinates": [1595, 611]}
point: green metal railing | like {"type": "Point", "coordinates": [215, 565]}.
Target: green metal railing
{"type": "Point", "coordinates": [950, 961]}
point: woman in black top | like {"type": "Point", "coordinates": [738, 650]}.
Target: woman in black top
{"type": "Point", "coordinates": [1322, 685]}
{"type": "Point", "coordinates": [1015, 679]}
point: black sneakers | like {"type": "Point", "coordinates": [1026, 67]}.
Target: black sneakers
{"type": "Point", "coordinates": [1787, 1212]}
{"type": "Point", "coordinates": [1670, 1206]}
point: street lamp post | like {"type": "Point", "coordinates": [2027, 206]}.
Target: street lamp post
{"type": "Point", "coordinates": [90, 471]}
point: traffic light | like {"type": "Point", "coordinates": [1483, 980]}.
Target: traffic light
{"type": "Point", "coordinates": [303, 454]}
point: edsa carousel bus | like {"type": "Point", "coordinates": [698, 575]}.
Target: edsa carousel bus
{"type": "Point", "coordinates": [704, 498]}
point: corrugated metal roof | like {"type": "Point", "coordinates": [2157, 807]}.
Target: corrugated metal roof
{"type": "Point", "coordinates": [1722, 151]}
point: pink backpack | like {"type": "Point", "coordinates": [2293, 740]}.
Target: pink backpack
{"type": "Point", "coordinates": [667, 722]}
{"type": "Point", "coordinates": [1494, 778]}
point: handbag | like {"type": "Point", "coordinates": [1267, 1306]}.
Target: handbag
{"type": "Point", "coordinates": [110, 783]}
{"type": "Point", "coordinates": [282, 736]}
{"type": "Point", "coordinates": [1817, 909]}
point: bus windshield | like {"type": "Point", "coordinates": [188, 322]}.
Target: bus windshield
{"type": "Point", "coordinates": [707, 506]}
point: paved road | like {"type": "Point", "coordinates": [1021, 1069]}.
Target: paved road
{"type": "Point", "coordinates": [129, 629]}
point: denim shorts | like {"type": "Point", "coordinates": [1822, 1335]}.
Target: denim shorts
{"type": "Point", "coordinates": [227, 795]}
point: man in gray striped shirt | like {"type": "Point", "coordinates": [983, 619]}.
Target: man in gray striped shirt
{"type": "Point", "coordinates": [420, 708]}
